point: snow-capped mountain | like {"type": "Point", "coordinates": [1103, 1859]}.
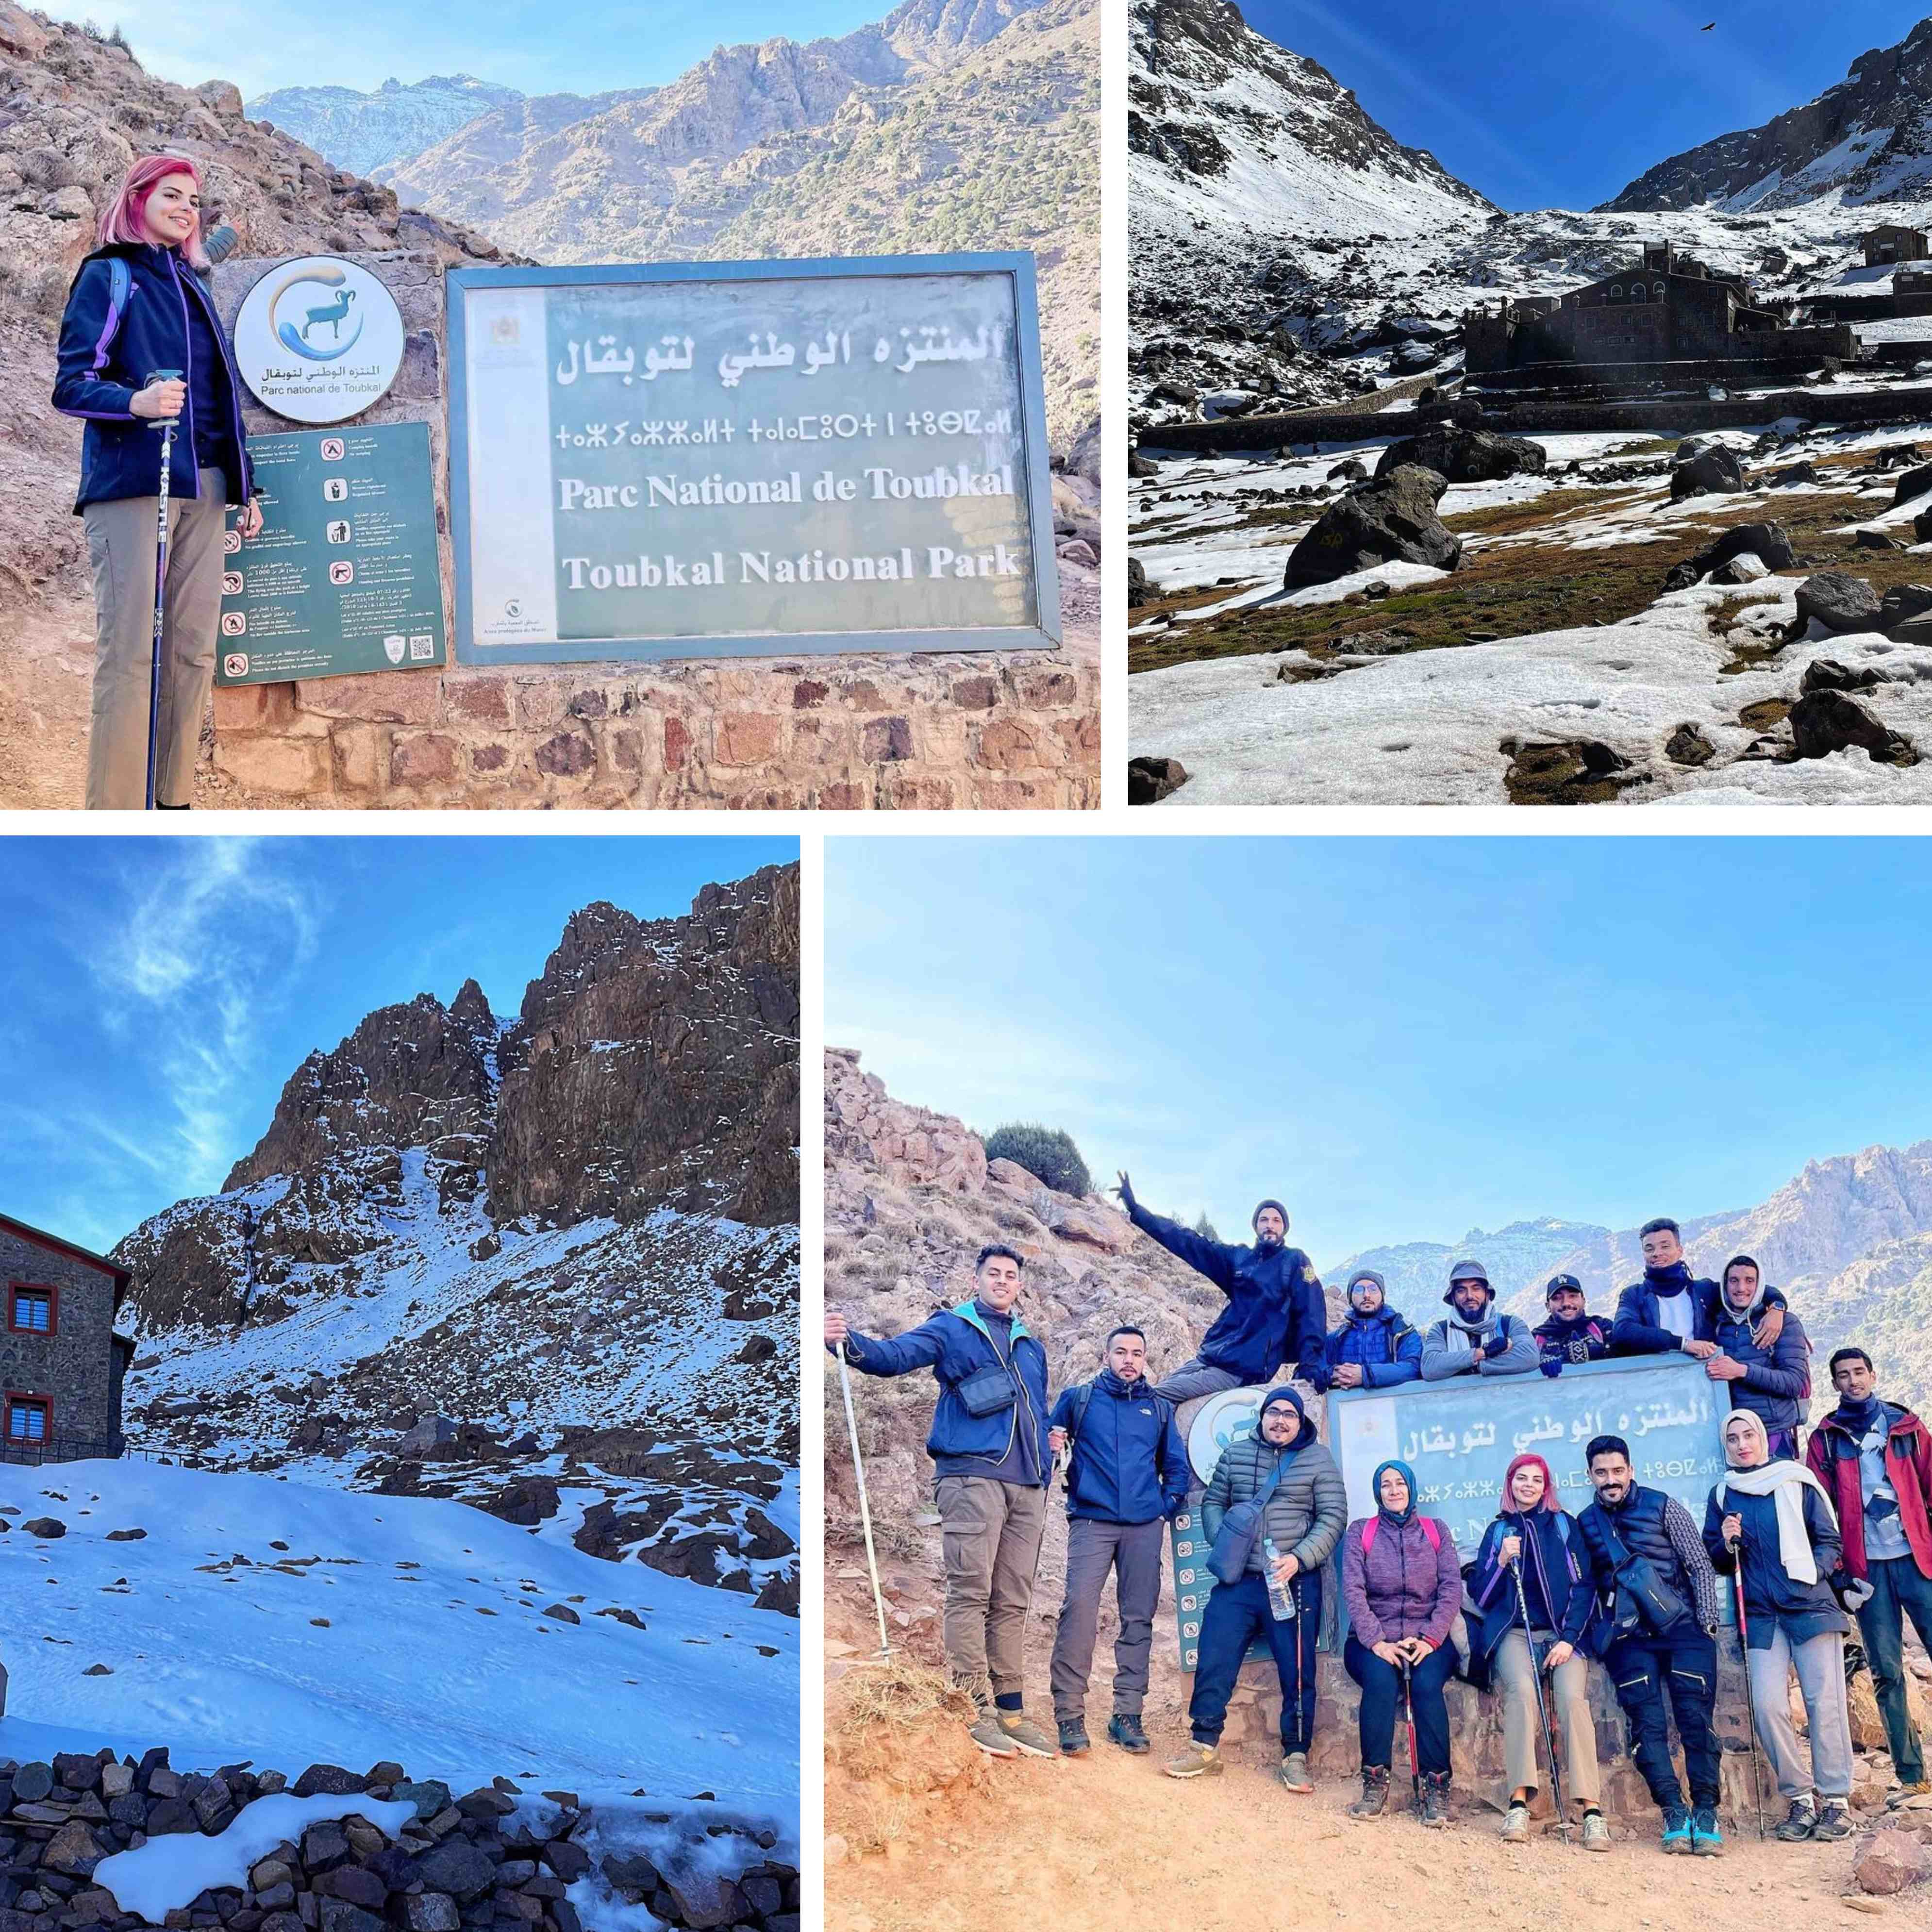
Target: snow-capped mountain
{"type": "Point", "coordinates": [364, 132]}
{"type": "Point", "coordinates": [1866, 140]}
{"type": "Point", "coordinates": [548, 1265]}
{"type": "Point", "coordinates": [1521, 1256]}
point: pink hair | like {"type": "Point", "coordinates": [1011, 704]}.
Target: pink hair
{"type": "Point", "coordinates": [125, 218]}
{"type": "Point", "coordinates": [1547, 1501]}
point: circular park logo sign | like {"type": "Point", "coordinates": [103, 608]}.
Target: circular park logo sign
{"type": "Point", "coordinates": [319, 341]}
{"type": "Point", "coordinates": [1216, 1423]}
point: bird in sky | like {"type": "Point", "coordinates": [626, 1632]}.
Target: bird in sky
{"type": "Point", "coordinates": [1706, 29]}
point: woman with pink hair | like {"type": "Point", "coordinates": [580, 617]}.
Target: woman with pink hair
{"type": "Point", "coordinates": [138, 306]}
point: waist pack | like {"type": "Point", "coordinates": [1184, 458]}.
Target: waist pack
{"type": "Point", "coordinates": [986, 1392]}
{"type": "Point", "coordinates": [1234, 1543]}
{"type": "Point", "coordinates": [1643, 1600]}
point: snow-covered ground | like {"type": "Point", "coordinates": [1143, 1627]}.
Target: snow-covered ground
{"type": "Point", "coordinates": [384, 1627]}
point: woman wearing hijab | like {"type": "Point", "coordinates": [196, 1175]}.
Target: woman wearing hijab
{"type": "Point", "coordinates": [137, 306]}
{"type": "Point", "coordinates": [1403, 1586]}
{"type": "Point", "coordinates": [1774, 1519]}
{"type": "Point", "coordinates": [1302, 1516]}
{"type": "Point", "coordinates": [1534, 1538]}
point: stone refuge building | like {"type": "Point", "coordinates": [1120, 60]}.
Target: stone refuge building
{"type": "Point", "coordinates": [1888, 242]}
{"type": "Point", "coordinates": [61, 1364]}
{"type": "Point", "coordinates": [1670, 309]}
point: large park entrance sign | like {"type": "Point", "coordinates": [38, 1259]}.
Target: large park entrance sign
{"type": "Point", "coordinates": [714, 459]}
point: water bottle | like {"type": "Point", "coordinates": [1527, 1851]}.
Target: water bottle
{"type": "Point", "coordinates": [1281, 1596]}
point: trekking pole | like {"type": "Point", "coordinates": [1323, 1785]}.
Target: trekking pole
{"type": "Point", "coordinates": [1408, 1718]}
{"type": "Point", "coordinates": [865, 1508]}
{"type": "Point", "coordinates": [1735, 1546]}
{"type": "Point", "coordinates": [1542, 1708]}
{"type": "Point", "coordinates": [167, 429]}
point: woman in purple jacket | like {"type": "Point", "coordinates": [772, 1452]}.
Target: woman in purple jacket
{"type": "Point", "coordinates": [1403, 1586]}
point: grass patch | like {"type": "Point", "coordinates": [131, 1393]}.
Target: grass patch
{"type": "Point", "coordinates": [1765, 715]}
{"type": "Point", "coordinates": [1509, 520]}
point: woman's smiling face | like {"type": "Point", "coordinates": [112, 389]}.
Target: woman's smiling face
{"type": "Point", "coordinates": [172, 212]}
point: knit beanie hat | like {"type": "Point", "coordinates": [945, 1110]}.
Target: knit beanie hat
{"type": "Point", "coordinates": [1255, 1218]}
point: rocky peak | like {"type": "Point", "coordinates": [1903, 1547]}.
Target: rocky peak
{"type": "Point", "coordinates": [470, 1008]}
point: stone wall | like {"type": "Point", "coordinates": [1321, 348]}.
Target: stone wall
{"type": "Point", "coordinates": [73, 1368]}
{"type": "Point", "coordinates": [1004, 729]}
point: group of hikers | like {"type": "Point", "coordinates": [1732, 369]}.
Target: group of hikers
{"type": "Point", "coordinates": [1631, 1581]}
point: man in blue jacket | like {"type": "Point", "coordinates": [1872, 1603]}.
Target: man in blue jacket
{"type": "Point", "coordinates": [988, 1444]}
{"type": "Point", "coordinates": [1127, 1476]}
{"type": "Point", "coordinates": [1374, 1348]}
{"type": "Point", "coordinates": [1671, 1309]}
{"type": "Point", "coordinates": [1275, 1312]}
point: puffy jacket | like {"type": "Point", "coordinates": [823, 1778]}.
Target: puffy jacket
{"type": "Point", "coordinates": [1553, 1554]}
{"type": "Point", "coordinates": [108, 351]}
{"type": "Point", "coordinates": [1650, 1523]}
{"type": "Point", "coordinates": [1404, 1587]}
{"type": "Point", "coordinates": [1833, 1455]}
{"type": "Point", "coordinates": [1275, 1312]}
{"type": "Point", "coordinates": [1776, 1379]}
{"type": "Point", "coordinates": [956, 1344]}
{"type": "Point", "coordinates": [1306, 1512]}
{"type": "Point", "coordinates": [1772, 1595]}
{"type": "Point", "coordinates": [1382, 1346]}
{"type": "Point", "coordinates": [1129, 1464]}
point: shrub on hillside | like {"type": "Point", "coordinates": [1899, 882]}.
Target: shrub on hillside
{"type": "Point", "coordinates": [1045, 1152]}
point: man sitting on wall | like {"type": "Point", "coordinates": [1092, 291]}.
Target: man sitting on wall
{"type": "Point", "coordinates": [1374, 1348]}
{"type": "Point", "coordinates": [1473, 1339]}
{"type": "Point", "coordinates": [1671, 1308]}
{"type": "Point", "coordinates": [1275, 1311]}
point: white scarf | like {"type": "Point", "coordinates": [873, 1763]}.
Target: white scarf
{"type": "Point", "coordinates": [1785, 1482]}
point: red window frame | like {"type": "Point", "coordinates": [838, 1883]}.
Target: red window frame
{"type": "Point", "coordinates": [51, 1291]}
{"type": "Point", "coordinates": [45, 1403]}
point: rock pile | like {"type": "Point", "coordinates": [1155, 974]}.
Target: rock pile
{"type": "Point", "coordinates": [460, 1864]}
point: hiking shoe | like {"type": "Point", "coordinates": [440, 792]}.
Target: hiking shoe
{"type": "Point", "coordinates": [1375, 1792]}
{"type": "Point", "coordinates": [1800, 1823]}
{"type": "Point", "coordinates": [1436, 1798]}
{"type": "Point", "coordinates": [1515, 1825]}
{"type": "Point", "coordinates": [1196, 1761]}
{"type": "Point", "coordinates": [1919, 1787]}
{"type": "Point", "coordinates": [1834, 1822]}
{"type": "Point", "coordinates": [1596, 1833]}
{"type": "Point", "coordinates": [1025, 1735]}
{"type": "Point", "coordinates": [1073, 1739]}
{"type": "Point", "coordinates": [1706, 1841]}
{"type": "Point", "coordinates": [987, 1734]}
{"type": "Point", "coordinates": [1676, 1828]}
{"type": "Point", "coordinates": [1124, 1729]}
{"type": "Point", "coordinates": [1294, 1773]}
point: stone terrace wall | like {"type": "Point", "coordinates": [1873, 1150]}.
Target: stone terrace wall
{"type": "Point", "coordinates": [1006, 729]}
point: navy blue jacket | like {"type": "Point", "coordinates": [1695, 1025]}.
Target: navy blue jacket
{"type": "Point", "coordinates": [1383, 1346]}
{"type": "Point", "coordinates": [1772, 1595]}
{"type": "Point", "coordinates": [1776, 1379]}
{"type": "Point", "coordinates": [1555, 1557]}
{"type": "Point", "coordinates": [954, 1345]}
{"type": "Point", "coordinates": [1130, 1463]}
{"type": "Point", "coordinates": [106, 353]}
{"type": "Point", "coordinates": [1275, 1313]}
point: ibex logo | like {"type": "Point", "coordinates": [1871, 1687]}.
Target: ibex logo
{"type": "Point", "coordinates": [313, 314]}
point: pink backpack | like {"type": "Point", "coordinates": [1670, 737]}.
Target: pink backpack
{"type": "Point", "coordinates": [1431, 1529]}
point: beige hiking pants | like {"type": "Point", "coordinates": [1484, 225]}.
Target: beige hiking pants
{"type": "Point", "coordinates": [991, 1532]}
{"type": "Point", "coordinates": [120, 547]}
{"type": "Point", "coordinates": [1568, 1688]}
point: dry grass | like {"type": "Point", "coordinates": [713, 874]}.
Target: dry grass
{"type": "Point", "coordinates": [896, 1742]}
{"type": "Point", "coordinates": [1509, 520]}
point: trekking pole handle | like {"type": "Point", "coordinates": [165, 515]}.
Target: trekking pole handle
{"type": "Point", "coordinates": [163, 376]}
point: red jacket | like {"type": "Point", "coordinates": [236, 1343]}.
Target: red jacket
{"type": "Point", "coordinates": [1833, 1456]}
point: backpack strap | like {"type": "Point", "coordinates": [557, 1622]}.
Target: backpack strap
{"type": "Point", "coordinates": [1430, 1528]}
{"type": "Point", "coordinates": [120, 282]}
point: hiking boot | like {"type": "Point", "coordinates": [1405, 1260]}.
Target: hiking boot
{"type": "Point", "coordinates": [1436, 1798]}
{"type": "Point", "coordinates": [1198, 1760]}
{"type": "Point", "coordinates": [1676, 1828]}
{"type": "Point", "coordinates": [1375, 1792]}
{"type": "Point", "coordinates": [1515, 1825]}
{"type": "Point", "coordinates": [1123, 1727]}
{"type": "Point", "coordinates": [1800, 1823]}
{"type": "Point", "coordinates": [1073, 1739]}
{"type": "Point", "coordinates": [1919, 1787]}
{"type": "Point", "coordinates": [1024, 1736]}
{"type": "Point", "coordinates": [1835, 1821]}
{"type": "Point", "coordinates": [1706, 1841]}
{"type": "Point", "coordinates": [987, 1734]}
{"type": "Point", "coordinates": [1294, 1773]}
{"type": "Point", "coordinates": [1596, 1833]}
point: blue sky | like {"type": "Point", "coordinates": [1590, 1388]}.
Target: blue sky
{"type": "Point", "coordinates": [566, 47]}
{"type": "Point", "coordinates": [1540, 105]}
{"type": "Point", "coordinates": [1404, 1040]}
{"type": "Point", "coordinates": [156, 992]}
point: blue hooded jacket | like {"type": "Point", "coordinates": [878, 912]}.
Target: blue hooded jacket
{"type": "Point", "coordinates": [1129, 1464]}
{"type": "Point", "coordinates": [1275, 1312]}
{"type": "Point", "coordinates": [956, 1345]}
{"type": "Point", "coordinates": [108, 351]}
{"type": "Point", "coordinates": [1383, 1346]}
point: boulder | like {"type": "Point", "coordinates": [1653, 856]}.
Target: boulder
{"type": "Point", "coordinates": [1877, 540]}
{"type": "Point", "coordinates": [1921, 527]}
{"type": "Point", "coordinates": [1393, 520]}
{"type": "Point", "coordinates": [1914, 483]}
{"type": "Point", "coordinates": [1769, 542]}
{"type": "Point", "coordinates": [458, 1867]}
{"type": "Point", "coordinates": [47, 1528]}
{"type": "Point", "coordinates": [1902, 603]}
{"type": "Point", "coordinates": [561, 1612]}
{"type": "Point", "coordinates": [1150, 780]}
{"type": "Point", "coordinates": [1466, 455]}
{"type": "Point", "coordinates": [1791, 476]}
{"type": "Point", "coordinates": [1839, 600]}
{"type": "Point", "coordinates": [1688, 745]}
{"type": "Point", "coordinates": [1139, 590]}
{"type": "Point", "coordinates": [1354, 470]}
{"type": "Point", "coordinates": [1138, 465]}
{"type": "Point", "coordinates": [1744, 569]}
{"type": "Point", "coordinates": [1828, 674]}
{"type": "Point", "coordinates": [1826, 722]}
{"type": "Point", "coordinates": [1891, 1860]}
{"type": "Point", "coordinates": [330, 1780]}
{"type": "Point", "coordinates": [1710, 469]}
{"type": "Point", "coordinates": [428, 1432]}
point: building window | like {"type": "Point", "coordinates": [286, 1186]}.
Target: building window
{"type": "Point", "coordinates": [33, 1309]}
{"type": "Point", "coordinates": [29, 1419]}
{"type": "Point", "coordinates": [1637, 292]}
{"type": "Point", "coordinates": [1617, 292]}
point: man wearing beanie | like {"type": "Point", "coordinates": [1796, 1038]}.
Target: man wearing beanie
{"type": "Point", "coordinates": [1570, 1333]}
{"type": "Point", "coordinates": [1303, 1508]}
{"type": "Point", "coordinates": [1275, 1312]}
{"type": "Point", "coordinates": [1374, 1348]}
{"type": "Point", "coordinates": [1672, 1308]}
{"type": "Point", "coordinates": [1473, 1339]}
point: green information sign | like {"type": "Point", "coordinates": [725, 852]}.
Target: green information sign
{"type": "Point", "coordinates": [343, 576]}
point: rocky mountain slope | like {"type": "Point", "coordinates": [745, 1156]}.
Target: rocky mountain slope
{"type": "Point", "coordinates": [951, 125]}
{"type": "Point", "coordinates": [363, 132]}
{"type": "Point", "coordinates": [548, 1264]}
